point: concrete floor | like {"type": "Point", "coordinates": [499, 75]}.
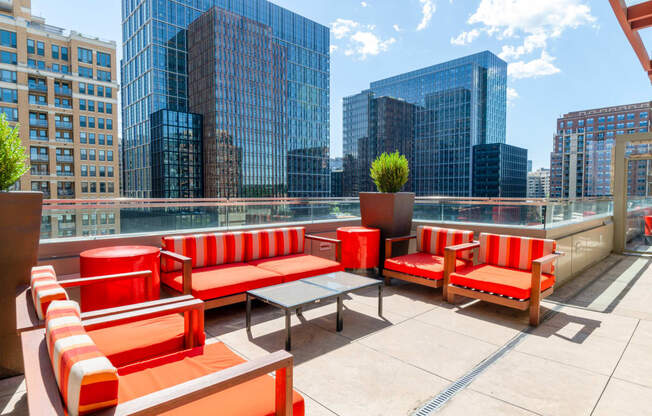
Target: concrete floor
{"type": "Point", "coordinates": [590, 357]}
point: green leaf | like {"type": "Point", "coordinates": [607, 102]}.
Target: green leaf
{"type": "Point", "coordinates": [390, 172]}
{"type": "Point", "coordinates": [13, 157]}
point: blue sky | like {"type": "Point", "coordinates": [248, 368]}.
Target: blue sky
{"type": "Point", "coordinates": [564, 55]}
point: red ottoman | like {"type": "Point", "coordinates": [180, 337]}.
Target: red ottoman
{"type": "Point", "coordinates": [360, 247]}
{"type": "Point", "coordinates": [119, 259]}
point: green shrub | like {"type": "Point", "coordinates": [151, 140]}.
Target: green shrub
{"type": "Point", "coordinates": [390, 172]}
{"type": "Point", "coordinates": [12, 155]}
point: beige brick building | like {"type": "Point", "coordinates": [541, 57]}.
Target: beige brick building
{"type": "Point", "coordinates": [61, 87]}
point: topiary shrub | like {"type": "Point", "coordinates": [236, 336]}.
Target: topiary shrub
{"type": "Point", "coordinates": [12, 155]}
{"type": "Point", "coordinates": [390, 172]}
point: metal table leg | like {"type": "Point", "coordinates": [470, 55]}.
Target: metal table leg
{"type": "Point", "coordinates": [248, 314]}
{"type": "Point", "coordinates": [339, 313]}
{"type": "Point", "coordinates": [380, 300]}
{"type": "Point", "coordinates": [288, 339]}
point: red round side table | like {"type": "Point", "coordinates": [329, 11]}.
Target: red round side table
{"type": "Point", "coordinates": [119, 259]}
{"type": "Point", "coordinates": [360, 247]}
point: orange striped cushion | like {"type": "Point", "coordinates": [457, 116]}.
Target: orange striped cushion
{"type": "Point", "coordinates": [205, 250]}
{"type": "Point", "coordinates": [263, 244]}
{"type": "Point", "coordinates": [434, 240]}
{"type": "Point", "coordinates": [515, 252]}
{"type": "Point", "coordinates": [45, 289]}
{"type": "Point", "coordinates": [87, 380]}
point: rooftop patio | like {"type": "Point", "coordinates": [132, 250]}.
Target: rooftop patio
{"type": "Point", "coordinates": [590, 355]}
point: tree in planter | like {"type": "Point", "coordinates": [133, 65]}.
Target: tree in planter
{"type": "Point", "coordinates": [12, 155]}
{"type": "Point", "coordinates": [390, 172]}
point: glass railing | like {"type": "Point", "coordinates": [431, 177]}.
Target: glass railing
{"type": "Point", "coordinates": [141, 216]}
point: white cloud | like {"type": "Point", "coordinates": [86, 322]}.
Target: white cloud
{"type": "Point", "coordinates": [535, 68]}
{"type": "Point", "coordinates": [397, 28]}
{"type": "Point", "coordinates": [333, 48]}
{"type": "Point", "coordinates": [341, 27]}
{"type": "Point", "coordinates": [427, 10]}
{"type": "Point", "coordinates": [532, 42]}
{"type": "Point", "coordinates": [465, 37]}
{"type": "Point", "coordinates": [363, 4]}
{"type": "Point", "coordinates": [512, 95]}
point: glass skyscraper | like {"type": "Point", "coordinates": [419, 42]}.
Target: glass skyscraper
{"type": "Point", "coordinates": [459, 104]}
{"type": "Point", "coordinates": [155, 76]}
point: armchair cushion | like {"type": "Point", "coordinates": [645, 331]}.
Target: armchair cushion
{"type": "Point", "coordinates": [45, 289]}
{"type": "Point", "coordinates": [253, 398]}
{"type": "Point", "coordinates": [434, 240]}
{"type": "Point", "coordinates": [205, 250]}
{"type": "Point", "coordinates": [500, 280]}
{"type": "Point", "coordinates": [515, 252]}
{"type": "Point", "coordinates": [262, 244]}
{"type": "Point", "coordinates": [298, 266]}
{"type": "Point", "coordinates": [141, 340]}
{"type": "Point", "coordinates": [421, 264]}
{"type": "Point", "coordinates": [87, 380]}
{"type": "Point", "coordinates": [227, 279]}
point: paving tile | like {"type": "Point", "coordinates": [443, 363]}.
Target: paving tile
{"type": "Point", "coordinates": [315, 409]}
{"type": "Point", "coordinates": [470, 403]}
{"type": "Point", "coordinates": [541, 386]}
{"type": "Point", "coordinates": [440, 351]}
{"type": "Point", "coordinates": [643, 334]}
{"type": "Point", "coordinates": [635, 365]}
{"type": "Point", "coordinates": [10, 385]}
{"type": "Point", "coordinates": [406, 299]}
{"type": "Point", "coordinates": [355, 380]}
{"type": "Point", "coordinates": [571, 321]}
{"type": "Point", "coordinates": [623, 399]}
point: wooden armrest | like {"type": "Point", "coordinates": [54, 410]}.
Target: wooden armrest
{"type": "Point", "coordinates": [450, 257]}
{"type": "Point", "coordinates": [462, 247]}
{"type": "Point", "coordinates": [26, 317]}
{"type": "Point", "coordinates": [87, 281]}
{"type": "Point", "coordinates": [549, 258]}
{"type": "Point", "coordinates": [134, 307]}
{"type": "Point", "coordinates": [186, 263]}
{"type": "Point", "coordinates": [193, 326]}
{"type": "Point", "coordinates": [338, 244]}
{"type": "Point", "coordinates": [391, 240]}
{"type": "Point", "coordinates": [175, 396]}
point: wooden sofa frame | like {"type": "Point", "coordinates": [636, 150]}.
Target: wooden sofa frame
{"type": "Point", "coordinates": [393, 274]}
{"type": "Point", "coordinates": [533, 303]}
{"type": "Point", "coordinates": [186, 263]}
{"type": "Point", "coordinates": [43, 397]}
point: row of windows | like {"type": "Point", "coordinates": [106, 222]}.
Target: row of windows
{"type": "Point", "coordinates": [86, 72]}
{"type": "Point", "coordinates": [90, 106]}
{"type": "Point", "coordinates": [38, 48]}
{"type": "Point", "coordinates": [86, 56]}
{"type": "Point", "coordinates": [104, 187]}
{"type": "Point", "coordinates": [101, 171]}
{"type": "Point", "coordinates": [90, 89]}
{"type": "Point", "coordinates": [90, 122]}
{"type": "Point", "coordinates": [89, 154]}
{"type": "Point", "coordinates": [620, 117]}
{"type": "Point", "coordinates": [89, 138]}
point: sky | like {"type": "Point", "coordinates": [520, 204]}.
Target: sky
{"type": "Point", "coordinates": [563, 55]}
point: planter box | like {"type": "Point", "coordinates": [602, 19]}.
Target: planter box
{"type": "Point", "coordinates": [392, 214]}
{"type": "Point", "coordinates": [20, 225]}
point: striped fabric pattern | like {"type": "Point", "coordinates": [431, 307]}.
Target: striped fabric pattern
{"type": "Point", "coordinates": [434, 240]}
{"type": "Point", "coordinates": [205, 250]}
{"type": "Point", "coordinates": [264, 244]}
{"type": "Point", "coordinates": [45, 289]}
{"type": "Point", "coordinates": [515, 252]}
{"type": "Point", "coordinates": [87, 380]}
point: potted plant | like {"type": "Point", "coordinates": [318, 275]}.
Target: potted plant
{"type": "Point", "coordinates": [389, 209]}
{"type": "Point", "coordinates": [20, 224]}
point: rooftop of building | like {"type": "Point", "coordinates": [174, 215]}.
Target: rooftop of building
{"type": "Point", "coordinates": [605, 110]}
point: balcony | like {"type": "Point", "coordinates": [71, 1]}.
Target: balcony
{"type": "Point", "coordinates": [39, 158]}
{"type": "Point", "coordinates": [65, 158]}
{"type": "Point", "coordinates": [65, 174]}
{"type": "Point", "coordinates": [65, 125]}
{"type": "Point", "coordinates": [66, 195]}
{"type": "Point", "coordinates": [38, 88]}
{"type": "Point", "coordinates": [38, 123]}
{"type": "Point", "coordinates": [63, 91]}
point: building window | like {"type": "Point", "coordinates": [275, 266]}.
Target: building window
{"type": "Point", "coordinates": [100, 123]}
{"type": "Point", "coordinates": [8, 95]}
{"type": "Point", "coordinates": [84, 170]}
{"type": "Point", "coordinates": [8, 58]}
{"type": "Point", "coordinates": [82, 137]}
{"type": "Point", "coordinates": [109, 108]}
{"type": "Point", "coordinates": [100, 107]}
{"type": "Point", "coordinates": [55, 52]}
{"type": "Point", "coordinates": [82, 88]}
{"type": "Point", "coordinates": [109, 124]}
{"type": "Point", "coordinates": [93, 170]}
{"type": "Point", "coordinates": [102, 187]}
{"type": "Point", "coordinates": [91, 140]}
{"type": "Point", "coordinates": [104, 59]}
{"type": "Point", "coordinates": [40, 48]}
{"type": "Point", "coordinates": [8, 38]}
{"type": "Point", "coordinates": [91, 154]}
{"type": "Point", "coordinates": [82, 121]}
{"type": "Point", "coordinates": [91, 105]}
{"type": "Point", "coordinates": [85, 55]}
{"type": "Point", "coordinates": [64, 53]}
{"type": "Point", "coordinates": [109, 140]}
{"type": "Point", "coordinates": [101, 155]}
{"type": "Point", "coordinates": [100, 139]}
{"type": "Point", "coordinates": [102, 172]}
{"type": "Point", "coordinates": [84, 189]}
{"type": "Point", "coordinates": [31, 46]}
{"type": "Point", "coordinates": [103, 75]}
{"type": "Point", "coordinates": [91, 89]}
{"type": "Point", "coordinates": [107, 91]}
{"type": "Point", "coordinates": [83, 155]}
{"type": "Point", "coordinates": [8, 76]}
{"type": "Point", "coordinates": [82, 104]}
{"type": "Point", "coordinates": [109, 156]}
{"type": "Point", "coordinates": [100, 91]}
{"type": "Point", "coordinates": [85, 72]}
{"type": "Point", "coordinates": [109, 171]}
{"type": "Point", "coordinates": [10, 113]}
{"type": "Point", "coordinates": [91, 122]}
{"type": "Point", "coordinates": [110, 189]}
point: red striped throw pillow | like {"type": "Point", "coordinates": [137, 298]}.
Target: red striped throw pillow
{"type": "Point", "coordinates": [45, 289]}
{"type": "Point", "coordinates": [262, 244]}
{"type": "Point", "coordinates": [515, 252]}
{"type": "Point", "coordinates": [87, 380]}
{"type": "Point", "coordinates": [434, 240]}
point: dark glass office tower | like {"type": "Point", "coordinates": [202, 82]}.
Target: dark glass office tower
{"type": "Point", "coordinates": [176, 152]}
{"type": "Point", "coordinates": [458, 104]}
{"type": "Point", "coordinates": [499, 171]}
{"type": "Point", "coordinates": [155, 77]}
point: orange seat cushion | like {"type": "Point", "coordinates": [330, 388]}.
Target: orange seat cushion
{"type": "Point", "coordinates": [500, 280]}
{"type": "Point", "coordinates": [421, 264]}
{"type": "Point", "coordinates": [253, 398]}
{"type": "Point", "coordinates": [224, 280]}
{"type": "Point", "coordinates": [141, 340]}
{"type": "Point", "coordinates": [298, 266]}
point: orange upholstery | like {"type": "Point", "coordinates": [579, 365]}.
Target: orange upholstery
{"type": "Point", "coordinates": [434, 240]}
{"type": "Point", "coordinates": [421, 264]}
{"type": "Point", "coordinates": [227, 279]}
{"type": "Point", "coordinates": [298, 266]}
{"type": "Point", "coordinates": [500, 280]}
{"type": "Point", "coordinates": [648, 225]}
{"type": "Point", "coordinates": [262, 244]}
{"type": "Point", "coordinates": [140, 340]}
{"type": "Point", "coordinates": [205, 250]}
{"type": "Point", "coordinates": [45, 289]}
{"type": "Point", "coordinates": [515, 252]}
{"type": "Point", "coordinates": [253, 398]}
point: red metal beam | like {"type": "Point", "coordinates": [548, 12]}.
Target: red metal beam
{"type": "Point", "coordinates": [639, 12]}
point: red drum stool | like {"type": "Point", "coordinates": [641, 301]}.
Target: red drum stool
{"type": "Point", "coordinates": [648, 229]}
{"type": "Point", "coordinates": [360, 247]}
{"type": "Point", "coordinates": [119, 259]}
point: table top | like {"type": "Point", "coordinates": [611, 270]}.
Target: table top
{"type": "Point", "coordinates": [358, 229]}
{"type": "Point", "coordinates": [118, 252]}
{"type": "Point", "coordinates": [304, 291]}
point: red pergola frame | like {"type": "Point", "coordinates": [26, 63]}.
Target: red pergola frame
{"type": "Point", "coordinates": [632, 19]}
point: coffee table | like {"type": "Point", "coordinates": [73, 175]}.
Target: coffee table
{"type": "Point", "coordinates": [292, 296]}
